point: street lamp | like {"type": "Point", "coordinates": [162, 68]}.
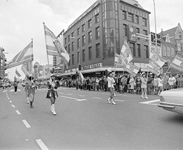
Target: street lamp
{"type": "Point", "coordinates": [155, 24]}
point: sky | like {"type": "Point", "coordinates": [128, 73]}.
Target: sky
{"type": "Point", "coordinates": [21, 20]}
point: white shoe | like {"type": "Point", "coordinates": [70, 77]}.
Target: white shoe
{"type": "Point", "coordinates": [146, 97]}
{"type": "Point", "coordinates": [109, 100]}
{"type": "Point", "coordinates": [142, 96]}
{"type": "Point", "coordinates": [53, 109]}
{"type": "Point", "coordinates": [113, 103]}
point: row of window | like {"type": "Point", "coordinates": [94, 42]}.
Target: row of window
{"type": "Point", "coordinates": [133, 18]}
{"type": "Point", "coordinates": [82, 28]}
{"type": "Point", "coordinates": [136, 50]}
{"type": "Point", "coordinates": [168, 51]}
{"type": "Point", "coordinates": [83, 58]}
{"type": "Point", "coordinates": [83, 40]}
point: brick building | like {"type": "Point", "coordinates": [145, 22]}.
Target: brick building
{"type": "Point", "coordinates": [97, 34]}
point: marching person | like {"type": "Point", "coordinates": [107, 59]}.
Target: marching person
{"type": "Point", "coordinates": [15, 84]}
{"type": "Point", "coordinates": [30, 91]}
{"type": "Point", "coordinates": [52, 93]}
{"type": "Point", "coordinates": [160, 84]}
{"type": "Point", "coordinates": [111, 83]}
{"type": "Point", "coordinates": [144, 86]}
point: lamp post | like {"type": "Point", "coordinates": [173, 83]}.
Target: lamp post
{"type": "Point", "coordinates": [155, 24]}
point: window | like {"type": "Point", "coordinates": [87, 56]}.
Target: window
{"type": "Point", "coordinates": [78, 31]}
{"type": "Point", "coordinates": [90, 37]}
{"type": "Point", "coordinates": [72, 59]}
{"type": "Point", "coordinates": [83, 55]}
{"type": "Point", "coordinates": [145, 32]}
{"type": "Point", "coordinates": [146, 51]}
{"type": "Point", "coordinates": [78, 57]}
{"type": "Point", "coordinates": [96, 18]}
{"type": "Point", "coordinates": [164, 50]}
{"type": "Point", "coordinates": [97, 33]}
{"type": "Point", "coordinates": [124, 14]}
{"type": "Point", "coordinates": [72, 34]}
{"type": "Point", "coordinates": [125, 29]}
{"type": "Point", "coordinates": [138, 31]}
{"type": "Point", "coordinates": [89, 23]}
{"type": "Point", "coordinates": [72, 46]}
{"type": "Point", "coordinates": [172, 52]}
{"type": "Point", "coordinates": [144, 21]}
{"type": "Point", "coordinates": [130, 17]}
{"type": "Point", "coordinates": [136, 19]}
{"type": "Point", "coordinates": [83, 28]}
{"type": "Point", "coordinates": [138, 50]}
{"type": "Point", "coordinates": [68, 38]}
{"type": "Point", "coordinates": [168, 51]}
{"type": "Point", "coordinates": [83, 40]}
{"type": "Point", "coordinates": [90, 53]}
{"type": "Point", "coordinates": [65, 40]}
{"type": "Point", "coordinates": [132, 47]}
{"type": "Point", "coordinates": [78, 42]}
{"type": "Point", "coordinates": [66, 48]}
{"type": "Point", "coordinates": [98, 50]}
{"type": "Point", "coordinates": [69, 48]}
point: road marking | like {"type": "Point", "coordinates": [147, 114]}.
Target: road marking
{"type": "Point", "coordinates": [151, 102]}
{"type": "Point", "coordinates": [26, 123]}
{"type": "Point", "coordinates": [74, 98]}
{"type": "Point", "coordinates": [41, 144]}
{"type": "Point", "coordinates": [18, 112]}
{"type": "Point", "coordinates": [97, 97]}
{"type": "Point", "coordinates": [120, 100]}
{"type": "Point", "coordinates": [13, 106]}
{"type": "Point", "coordinates": [10, 101]}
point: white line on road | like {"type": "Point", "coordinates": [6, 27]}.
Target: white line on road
{"type": "Point", "coordinates": [97, 97]}
{"type": "Point", "coordinates": [13, 106]}
{"type": "Point", "coordinates": [73, 98]}
{"type": "Point", "coordinates": [18, 112]}
{"type": "Point", "coordinates": [41, 144]}
{"type": "Point", "coordinates": [153, 102]}
{"type": "Point", "coordinates": [26, 123]}
{"type": "Point", "coordinates": [120, 100]}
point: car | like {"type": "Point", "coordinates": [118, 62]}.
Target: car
{"type": "Point", "coordinates": [172, 100]}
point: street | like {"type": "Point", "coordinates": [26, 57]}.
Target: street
{"type": "Point", "coordinates": [85, 121]}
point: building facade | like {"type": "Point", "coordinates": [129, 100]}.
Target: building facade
{"type": "Point", "coordinates": [96, 35]}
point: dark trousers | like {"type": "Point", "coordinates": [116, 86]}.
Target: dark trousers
{"type": "Point", "coordinates": [15, 88]}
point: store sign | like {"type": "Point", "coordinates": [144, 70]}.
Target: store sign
{"type": "Point", "coordinates": [92, 66]}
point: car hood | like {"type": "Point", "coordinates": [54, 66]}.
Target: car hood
{"type": "Point", "coordinates": [173, 93]}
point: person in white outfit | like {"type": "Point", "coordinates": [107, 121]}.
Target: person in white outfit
{"type": "Point", "coordinates": [111, 83]}
{"type": "Point", "coordinates": [144, 86]}
{"type": "Point", "coordinates": [160, 84]}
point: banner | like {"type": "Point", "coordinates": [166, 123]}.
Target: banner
{"type": "Point", "coordinates": [154, 68]}
{"type": "Point", "coordinates": [24, 56]}
{"type": "Point", "coordinates": [177, 63]}
{"type": "Point", "coordinates": [49, 38]}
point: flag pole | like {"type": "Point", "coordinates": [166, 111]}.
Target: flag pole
{"type": "Point", "coordinates": [46, 48]}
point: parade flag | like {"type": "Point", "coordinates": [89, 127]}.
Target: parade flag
{"type": "Point", "coordinates": [17, 73]}
{"type": "Point", "coordinates": [126, 53]}
{"type": "Point", "coordinates": [25, 70]}
{"type": "Point", "coordinates": [177, 63]}
{"type": "Point", "coordinates": [154, 57]}
{"type": "Point", "coordinates": [49, 38]}
{"type": "Point", "coordinates": [132, 69]}
{"type": "Point", "coordinates": [81, 77]}
{"type": "Point", "coordinates": [61, 51]}
{"type": "Point", "coordinates": [153, 67]}
{"type": "Point", "coordinates": [118, 61]}
{"type": "Point", "coordinates": [24, 56]}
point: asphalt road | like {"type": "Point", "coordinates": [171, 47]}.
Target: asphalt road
{"type": "Point", "coordinates": [85, 121]}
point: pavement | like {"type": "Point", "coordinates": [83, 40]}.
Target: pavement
{"type": "Point", "coordinates": [85, 121]}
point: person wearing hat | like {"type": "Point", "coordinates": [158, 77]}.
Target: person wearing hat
{"type": "Point", "coordinates": [52, 93]}
{"type": "Point", "coordinates": [111, 83]}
